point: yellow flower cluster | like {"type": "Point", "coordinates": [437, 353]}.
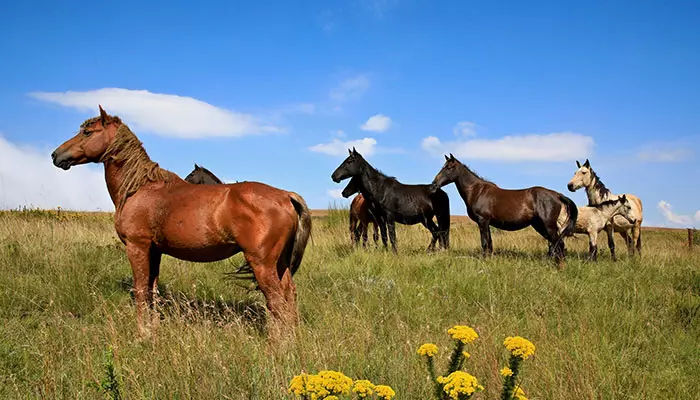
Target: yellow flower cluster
{"type": "Point", "coordinates": [331, 398]}
{"type": "Point", "coordinates": [384, 392]}
{"type": "Point", "coordinates": [321, 385]}
{"type": "Point", "coordinates": [466, 355]}
{"type": "Point", "coordinates": [459, 383]}
{"type": "Point", "coordinates": [505, 371]}
{"type": "Point", "coordinates": [463, 333]}
{"type": "Point", "coordinates": [519, 394]}
{"type": "Point", "coordinates": [363, 388]}
{"type": "Point", "coordinates": [519, 347]}
{"type": "Point", "coordinates": [428, 349]}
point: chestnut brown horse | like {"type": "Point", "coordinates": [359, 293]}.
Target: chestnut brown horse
{"type": "Point", "coordinates": [159, 213]}
{"type": "Point", "coordinates": [360, 215]}
{"type": "Point", "coordinates": [552, 214]}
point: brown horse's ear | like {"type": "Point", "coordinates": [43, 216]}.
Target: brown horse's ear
{"type": "Point", "coordinates": [587, 164]}
{"type": "Point", "coordinates": [452, 157]}
{"type": "Point", "coordinates": [578, 164]}
{"type": "Point", "coordinates": [447, 158]}
{"type": "Point", "coordinates": [104, 117]}
{"type": "Point", "coordinates": [349, 151]}
{"type": "Point", "coordinates": [353, 150]}
{"type": "Point", "coordinates": [623, 199]}
{"type": "Point", "coordinates": [196, 166]}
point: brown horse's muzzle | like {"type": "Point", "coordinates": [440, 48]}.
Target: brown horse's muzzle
{"type": "Point", "coordinates": [61, 159]}
{"type": "Point", "coordinates": [570, 186]}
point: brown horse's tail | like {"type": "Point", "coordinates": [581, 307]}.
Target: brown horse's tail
{"type": "Point", "coordinates": [301, 238]}
{"type": "Point", "coordinates": [572, 211]}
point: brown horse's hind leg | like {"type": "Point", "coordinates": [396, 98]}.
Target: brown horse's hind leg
{"type": "Point", "coordinates": [486, 242]}
{"type": "Point", "coordinates": [270, 283]}
{"type": "Point", "coordinates": [140, 259]}
{"type": "Point", "coordinates": [609, 230]}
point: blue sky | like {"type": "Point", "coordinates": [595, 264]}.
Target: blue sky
{"type": "Point", "coordinates": [275, 92]}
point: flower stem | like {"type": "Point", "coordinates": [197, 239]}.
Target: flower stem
{"type": "Point", "coordinates": [509, 381]}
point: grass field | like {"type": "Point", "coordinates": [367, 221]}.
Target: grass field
{"type": "Point", "coordinates": [623, 330]}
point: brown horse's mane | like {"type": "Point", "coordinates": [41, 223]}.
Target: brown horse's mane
{"type": "Point", "coordinates": [471, 171]}
{"type": "Point", "coordinates": [137, 167]}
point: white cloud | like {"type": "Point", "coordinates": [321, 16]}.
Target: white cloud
{"type": "Point", "coordinates": [350, 89]}
{"type": "Point", "coordinates": [465, 129]}
{"type": "Point", "coordinates": [377, 123]}
{"type": "Point", "coordinates": [163, 114]}
{"type": "Point", "coordinates": [336, 194]}
{"type": "Point", "coordinates": [661, 156]}
{"type": "Point", "coordinates": [336, 147]}
{"type": "Point", "coordinates": [678, 219]}
{"type": "Point", "coordinates": [564, 146]}
{"type": "Point", "coordinates": [338, 133]}
{"type": "Point", "coordinates": [29, 178]}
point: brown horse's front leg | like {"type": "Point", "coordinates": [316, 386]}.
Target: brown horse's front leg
{"type": "Point", "coordinates": [140, 260]}
{"type": "Point", "coordinates": [486, 243]}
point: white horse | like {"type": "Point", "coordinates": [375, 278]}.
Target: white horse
{"type": "Point", "coordinates": [598, 193]}
{"type": "Point", "coordinates": [593, 219]}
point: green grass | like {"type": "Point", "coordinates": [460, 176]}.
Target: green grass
{"type": "Point", "coordinates": [622, 330]}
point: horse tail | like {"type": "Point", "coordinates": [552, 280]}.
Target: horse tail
{"type": "Point", "coordinates": [572, 211]}
{"type": "Point", "coordinates": [301, 237]}
{"type": "Point", "coordinates": [442, 214]}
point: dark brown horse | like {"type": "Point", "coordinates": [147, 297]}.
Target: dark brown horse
{"type": "Point", "coordinates": [552, 214]}
{"type": "Point", "coordinates": [159, 213]}
{"type": "Point", "coordinates": [202, 176]}
{"type": "Point", "coordinates": [360, 215]}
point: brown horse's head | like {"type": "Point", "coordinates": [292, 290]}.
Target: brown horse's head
{"type": "Point", "coordinates": [353, 165]}
{"type": "Point", "coordinates": [583, 177]}
{"type": "Point", "coordinates": [95, 135]}
{"type": "Point", "coordinates": [448, 173]}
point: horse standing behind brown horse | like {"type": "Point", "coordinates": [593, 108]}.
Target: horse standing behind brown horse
{"type": "Point", "coordinates": [360, 218]}
{"type": "Point", "coordinates": [552, 214]}
{"type": "Point", "coordinates": [156, 213]}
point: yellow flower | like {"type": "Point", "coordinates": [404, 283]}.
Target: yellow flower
{"type": "Point", "coordinates": [331, 398]}
{"type": "Point", "coordinates": [428, 349]}
{"type": "Point", "coordinates": [384, 392]}
{"type": "Point", "coordinates": [505, 371]}
{"type": "Point", "coordinates": [519, 347]}
{"type": "Point", "coordinates": [459, 383]}
{"type": "Point", "coordinates": [519, 394]}
{"type": "Point", "coordinates": [335, 382]}
{"type": "Point", "coordinates": [298, 384]}
{"type": "Point", "coordinates": [463, 333]}
{"type": "Point", "coordinates": [363, 388]}
{"type": "Point", "coordinates": [466, 355]}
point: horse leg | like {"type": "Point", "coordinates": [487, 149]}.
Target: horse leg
{"type": "Point", "coordinates": [637, 237]}
{"type": "Point", "coordinates": [376, 234]}
{"type": "Point", "coordinates": [364, 233]}
{"type": "Point", "coordinates": [609, 230]}
{"type": "Point", "coordinates": [267, 276]}
{"type": "Point", "coordinates": [290, 293]}
{"type": "Point", "coordinates": [382, 228]}
{"type": "Point", "coordinates": [353, 230]}
{"type": "Point", "coordinates": [140, 259]}
{"type": "Point", "coordinates": [593, 245]}
{"type": "Point", "coordinates": [391, 225]}
{"type": "Point", "coordinates": [434, 231]}
{"type": "Point", "coordinates": [443, 223]}
{"type": "Point", "coordinates": [485, 231]}
{"type": "Point", "coordinates": [628, 241]}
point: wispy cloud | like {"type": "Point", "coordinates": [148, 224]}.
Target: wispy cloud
{"type": "Point", "coordinates": [28, 178]}
{"type": "Point", "coordinates": [366, 147]}
{"type": "Point", "coordinates": [465, 129]}
{"type": "Point", "coordinates": [377, 123]}
{"type": "Point", "coordinates": [350, 89]}
{"type": "Point", "coordinates": [565, 146]}
{"type": "Point", "coordinates": [163, 114]}
{"type": "Point", "coordinates": [664, 155]}
{"type": "Point", "coordinates": [380, 8]}
{"type": "Point", "coordinates": [677, 219]}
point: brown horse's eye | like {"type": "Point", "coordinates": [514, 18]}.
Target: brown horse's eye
{"type": "Point", "coordinates": [87, 133]}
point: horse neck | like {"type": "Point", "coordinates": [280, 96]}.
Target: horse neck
{"type": "Point", "coordinates": [465, 180]}
{"type": "Point", "coordinates": [594, 194]}
{"type": "Point", "coordinates": [114, 179]}
{"type": "Point", "coordinates": [369, 181]}
{"type": "Point", "coordinates": [609, 212]}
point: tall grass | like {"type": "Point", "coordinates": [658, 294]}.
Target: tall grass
{"type": "Point", "coordinates": [613, 330]}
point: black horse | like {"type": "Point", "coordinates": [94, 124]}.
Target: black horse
{"type": "Point", "coordinates": [552, 214]}
{"type": "Point", "coordinates": [391, 201]}
{"type": "Point", "coordinates": [202, 176]}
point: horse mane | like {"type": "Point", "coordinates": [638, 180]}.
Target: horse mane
{"type": "Point", "coordinates": [599, 186]}
{"type": "Point", "coordinates": [606, 203]}
{"type": "Point", "coordinates": [137, 167]}
{"type": "Point", "coordinates": [471, 171]}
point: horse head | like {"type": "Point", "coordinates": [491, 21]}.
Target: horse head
{"type": "Point", "coordinates": [447, 174]}
{"type": "Point", "coordinates": [90, 143]}
{"type": "Point", "coordinates": [353, 165]}
{"type": "Point", "coordinates": [583, 177]}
